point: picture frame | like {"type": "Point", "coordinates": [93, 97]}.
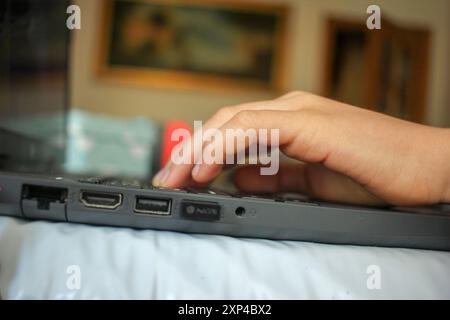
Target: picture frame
{"type": "Point", "coordinates": [192, 44]}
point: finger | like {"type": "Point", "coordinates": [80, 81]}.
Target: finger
{"type": "Point", "coordinates": [288, 123]}
{"type": "Point", "coordinates": [192, 147]}
{"type": "Point", "coordinates": [312, 180]}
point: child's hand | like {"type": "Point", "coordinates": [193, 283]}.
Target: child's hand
{"type": "Point", "coordinates": [348, 154]}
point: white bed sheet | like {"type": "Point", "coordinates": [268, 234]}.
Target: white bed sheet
{"type": "Point", "coordinates": [41, 260]}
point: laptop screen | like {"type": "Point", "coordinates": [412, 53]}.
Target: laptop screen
{"type": "Point", "coordinates": [33, 87]}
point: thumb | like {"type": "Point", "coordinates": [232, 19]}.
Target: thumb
{"type": "Point", "coordinates": [313, 180]}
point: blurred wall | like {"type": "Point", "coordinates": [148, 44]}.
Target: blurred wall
{"type": "Point", "coordinates": [306, 31]}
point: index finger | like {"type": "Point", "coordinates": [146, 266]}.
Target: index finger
{"type": "Point", "coordinates": [177, 173]}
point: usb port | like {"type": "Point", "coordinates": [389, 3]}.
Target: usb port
{"type": "Point", "coordinates": [150, 205]}
{"type": "Point", "coordinates": [102, 200]}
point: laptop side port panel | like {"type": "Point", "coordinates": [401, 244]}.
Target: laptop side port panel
{"type": "Point", "coordinates": [200, 210]}
{"type": "Point", "coordinates": [43, 202]}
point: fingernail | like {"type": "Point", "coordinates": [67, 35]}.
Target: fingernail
{"type": "Point", "coordinates": [161, 177]}
{"type": "Point", "coordinates": [196, 170]}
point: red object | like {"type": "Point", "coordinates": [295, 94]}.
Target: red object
{"type": "Point", "coordinates": [167, 144]}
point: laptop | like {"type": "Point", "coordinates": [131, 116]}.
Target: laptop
{"type": "Point", "coordinates": [33, 186]}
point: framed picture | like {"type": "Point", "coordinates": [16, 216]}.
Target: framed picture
{"type": "Point", "coordinates": [193, 44]}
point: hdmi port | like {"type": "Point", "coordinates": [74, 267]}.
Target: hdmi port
{"type": "Point", "coordinates": [103, 200]}
{"type": "Point", "coordinates": [154, 206]}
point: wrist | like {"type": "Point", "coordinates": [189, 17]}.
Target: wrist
{"type": "Point", "coordinates": [446, 172]}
